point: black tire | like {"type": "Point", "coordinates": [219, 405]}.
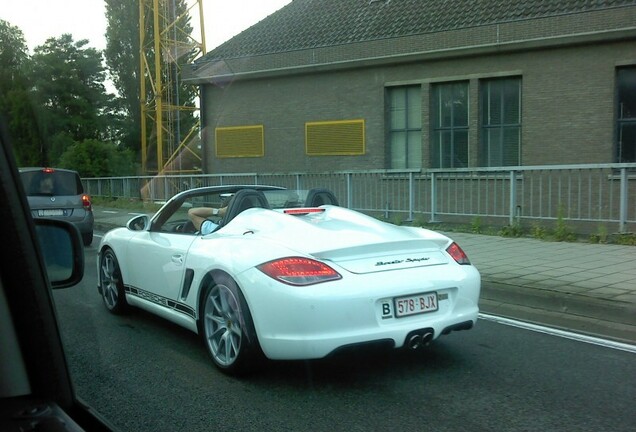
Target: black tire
{"type": "Point", "coordinates": [227, 329]}
{"type": "Point", "coordinates": [87, 238]}
{"type": "Point", "coordinates": [111, 285]}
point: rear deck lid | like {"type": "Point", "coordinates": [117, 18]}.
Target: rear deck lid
{"type": "Point", "coordinates": [387, 256]}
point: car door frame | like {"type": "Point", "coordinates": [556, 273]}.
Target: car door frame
{"type": "Point", "coordinates": [36, 386]}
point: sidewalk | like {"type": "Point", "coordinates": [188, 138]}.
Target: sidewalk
{"type": "Point", "coordinates": [586, 288]}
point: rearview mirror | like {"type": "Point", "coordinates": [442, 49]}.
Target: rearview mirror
{"type": "Point", "coordinates": [62, 250]}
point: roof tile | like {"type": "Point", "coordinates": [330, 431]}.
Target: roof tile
{"type": "Point", "coordinates": [306, 24]}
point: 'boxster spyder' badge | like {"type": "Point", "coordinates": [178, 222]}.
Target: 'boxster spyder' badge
{"type": "Point", "coordinates": [408, 260]}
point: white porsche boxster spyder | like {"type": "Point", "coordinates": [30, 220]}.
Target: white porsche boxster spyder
{"type": "Point", "coordinates": [287, 274]}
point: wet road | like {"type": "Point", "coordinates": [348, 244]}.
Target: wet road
{"type": "Point", "coordinates": [143, 374]}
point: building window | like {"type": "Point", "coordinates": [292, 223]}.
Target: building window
{"type": "Point", "coordinates": [405, 127]}
{"type": "Point", "coordinates": [626, 114]}
{"type": "Point", "coordinates": [500, 112]}
{"type": "Point", "coordinates": [240, 141]}
{"type": "Point", "coordinates": [335, 138]}
{"type": "Point", "coordinates": [449, 120]}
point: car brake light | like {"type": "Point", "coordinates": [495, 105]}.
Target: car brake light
{"type": "Point", "coordinates": [48, 170]}
{"type": "Point", "coordinates": [299, 271]}
{"type": "Point", "coordinates": [458, 254]}
{"type": "Point", "coordinates": [303, 211]}
{"type": "Point", "coordinates": [86, 203]}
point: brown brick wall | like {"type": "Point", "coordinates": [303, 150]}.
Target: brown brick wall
{"type": "Point", "coordinates": [567, 106]}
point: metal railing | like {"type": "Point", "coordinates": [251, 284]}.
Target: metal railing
{"type": "Point", "coordinates": [585, 194]}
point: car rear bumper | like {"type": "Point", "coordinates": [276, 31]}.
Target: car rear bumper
{"type": "Point", "coordinates": [313, 347]}
{"type": "Point", "coordinates": [314, 321]}
{"type": "Point", "coordinates": [85, 225]}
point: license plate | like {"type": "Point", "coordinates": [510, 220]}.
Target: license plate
{"type": "Point", "coordinates": [50, 212]}
{"type": "Point", "coordinates": [415, 304]}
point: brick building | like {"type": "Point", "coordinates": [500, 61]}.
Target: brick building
{"type": "Point", "coordinates": [329, 85]}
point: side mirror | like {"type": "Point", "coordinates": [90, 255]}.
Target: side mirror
{"type": "Point", "coordinates": [62, 250]}
{"type": "Point", "coordinates": [139, 223]}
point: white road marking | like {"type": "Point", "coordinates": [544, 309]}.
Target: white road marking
{"type": "Point", "coordinates": [560, 333]}
{"type": "Point", "coordinates": [110, 211]}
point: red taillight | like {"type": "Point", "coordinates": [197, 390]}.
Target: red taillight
{"type": "Point", "coordinates": [303, 211]}
{"type": "Point", "coordinates": [299, 271]}
{"type": "Point", "coordinates": [458, 254]}
{"type": "Point", "coordinates": [86, 203]}
{"type": "Point", "coordinates": [48, 170]}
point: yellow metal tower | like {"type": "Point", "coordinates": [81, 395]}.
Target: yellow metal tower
{"type": "Point", "coordinates": [166, 44]}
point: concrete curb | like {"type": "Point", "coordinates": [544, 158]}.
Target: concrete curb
{"type": "Point", "coordinates": [589, 315]}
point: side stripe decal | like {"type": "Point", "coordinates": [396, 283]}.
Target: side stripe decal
{"type": "Point", "coordinates": [161, 301]}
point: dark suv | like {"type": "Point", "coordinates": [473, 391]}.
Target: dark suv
{"type": "Point", "coordinates": [58, 194]}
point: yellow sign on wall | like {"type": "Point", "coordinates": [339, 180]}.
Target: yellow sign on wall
{"type": "Point", "coordinates": [335, 138]}
{"type": "Point", "coordinates": [240, 141]}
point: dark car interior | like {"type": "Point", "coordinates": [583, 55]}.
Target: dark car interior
{"type": "Point", "coordinates": [36, 392]}
{"type": "Point", "coordinates": [243, 200]}
{"type": "Point", "coordinates": [320, 196]}
{"type": "Point", "coordinates": [64, 183]}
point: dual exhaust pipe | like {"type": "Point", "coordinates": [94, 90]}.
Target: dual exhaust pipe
{"type": "Point", "coordinates": [418, 339]}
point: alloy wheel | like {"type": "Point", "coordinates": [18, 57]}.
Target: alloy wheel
{"type": "Point", "coordinates": [110, 280]}
{"type": "Point", "coordinates": [223, 325]}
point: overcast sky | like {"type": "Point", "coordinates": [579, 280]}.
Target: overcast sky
{"type": "Point", "coordinates": [85, 19]}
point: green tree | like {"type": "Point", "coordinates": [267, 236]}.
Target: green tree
{"type": "Point", "coordinates": [122, 58]}
{"type": "Point", "coordinates": [13, 55]}
{"type": "Point", "coordinates": [68, 88]}
{"type": "Point", "coordinates": [15, 100]}
{"type": "Point", "coordinates": [59, 94]}
{"type": "Point", "coordinates": [94, 158]}
{"type": "Point", "coordinates": [183, 53]}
